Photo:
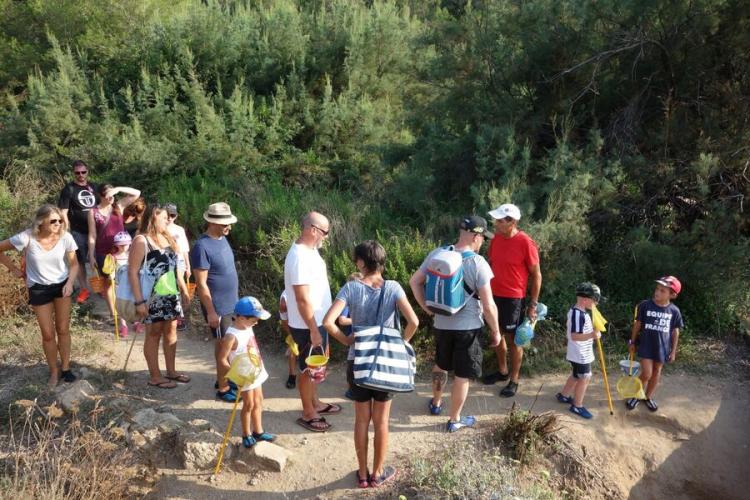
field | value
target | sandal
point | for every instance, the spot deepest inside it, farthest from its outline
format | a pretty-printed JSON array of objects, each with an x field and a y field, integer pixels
[
  {"x": 363, "y": 482},
  {"x": 264, "y": 436},
  {"x": 330, "y": 409},
  {"x": 180, "y": 377},
  {"x": 165, "y": 384},
  {"x": 650, "y": 403},
  {"x": 248, "y": 441},
  {"x": 434, "y": 409},
  {"x": 389, "y": 472},
  {"x": 631, "y": 403},
  {"x": 564, "y": 399},
  {"x": 228, "y": 396},
  {"x": 291, "y": 382},
  {"x": 310, "y": 424}
]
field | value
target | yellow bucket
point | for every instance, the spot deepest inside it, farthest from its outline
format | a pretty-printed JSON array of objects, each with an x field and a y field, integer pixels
[{"x": 316, "y": 360}]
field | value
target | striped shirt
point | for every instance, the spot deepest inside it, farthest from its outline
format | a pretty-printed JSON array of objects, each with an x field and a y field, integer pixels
[{"x": 580, "y": 351}]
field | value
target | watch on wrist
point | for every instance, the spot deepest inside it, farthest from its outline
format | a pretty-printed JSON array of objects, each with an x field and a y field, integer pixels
[
  {"x": 139, "y": 303},
  {"x": 533, "y": 303}
]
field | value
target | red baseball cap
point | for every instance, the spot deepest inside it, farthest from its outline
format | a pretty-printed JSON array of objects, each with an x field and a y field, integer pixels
[{"x": 670, "y": 282}]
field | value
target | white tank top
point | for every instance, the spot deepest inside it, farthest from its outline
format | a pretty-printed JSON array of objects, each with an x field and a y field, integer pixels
[{"x": 246, "y": 339}]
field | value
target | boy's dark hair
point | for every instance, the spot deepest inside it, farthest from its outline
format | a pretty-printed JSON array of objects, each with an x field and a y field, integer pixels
[
  {"x": 79, "y": 163},
  {"x": 372, "y": 254}
]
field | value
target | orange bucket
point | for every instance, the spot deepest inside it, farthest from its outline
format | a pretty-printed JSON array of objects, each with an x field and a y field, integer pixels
[
  {"x": 191, "y": 290},
  {"x": 98, "y": 284}
]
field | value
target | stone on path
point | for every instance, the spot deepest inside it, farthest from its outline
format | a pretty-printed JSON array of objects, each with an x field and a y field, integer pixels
[
  {"x": 267, "y": 456},
  {"x": 199, "y": 450},
  {"x": 148, "y": 418},
  {"x": 71, "y": 395}
]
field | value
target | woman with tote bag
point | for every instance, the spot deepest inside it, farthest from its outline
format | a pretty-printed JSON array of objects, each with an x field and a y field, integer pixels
[{"x": 372, "y": 301}]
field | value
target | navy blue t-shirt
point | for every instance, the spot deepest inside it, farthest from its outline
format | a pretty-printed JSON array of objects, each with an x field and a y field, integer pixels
[
  {"x": 657, "y": 325},
  {"x": 217, "y": 257}
]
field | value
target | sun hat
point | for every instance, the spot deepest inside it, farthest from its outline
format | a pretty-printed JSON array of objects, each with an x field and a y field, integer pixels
[
  {"x": 250, "y": 306},
  {"x": 219, "y": 213},
  {"x": 122, "y": 238},
  {"x": 506, "y": 210},
  {"x": 670, "y": 282},
  {"x": 475, "y": 224},
  {"x": 586, "y": 289},
  {"x": 171, "y": 208}
]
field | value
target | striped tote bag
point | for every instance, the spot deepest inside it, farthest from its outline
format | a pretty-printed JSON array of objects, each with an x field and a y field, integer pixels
[{"x": 383, "y": 360}]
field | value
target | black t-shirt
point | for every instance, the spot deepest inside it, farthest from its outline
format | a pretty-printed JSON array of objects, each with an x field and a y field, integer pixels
[{"x": 78, "y": 200}]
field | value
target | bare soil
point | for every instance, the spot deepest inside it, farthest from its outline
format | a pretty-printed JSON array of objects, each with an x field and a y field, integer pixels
[{"x": 695, "y": 446}]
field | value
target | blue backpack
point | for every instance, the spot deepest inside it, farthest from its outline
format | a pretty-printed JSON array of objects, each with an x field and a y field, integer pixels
[{"x": 445, "y": 291}]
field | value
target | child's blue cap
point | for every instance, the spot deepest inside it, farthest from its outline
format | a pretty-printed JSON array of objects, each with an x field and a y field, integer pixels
[{"x": 250, "y": 306}]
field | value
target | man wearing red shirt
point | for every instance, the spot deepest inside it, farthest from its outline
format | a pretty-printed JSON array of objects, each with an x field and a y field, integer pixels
[{"x": 514, "y": 258}]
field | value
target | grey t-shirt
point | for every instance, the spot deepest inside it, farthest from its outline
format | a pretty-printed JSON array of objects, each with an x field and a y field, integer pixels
[
  {"x": 477, "y": 273},
  {"x": 362, "y": 301}
]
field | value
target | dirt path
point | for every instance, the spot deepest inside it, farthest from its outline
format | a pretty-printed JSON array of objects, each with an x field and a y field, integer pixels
[{"x": 696, "y": 445}]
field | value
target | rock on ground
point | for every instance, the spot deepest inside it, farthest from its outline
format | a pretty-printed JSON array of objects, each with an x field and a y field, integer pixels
[
  {"x": 147, "y": 418},
  {"x": 199, "y": 450},
  {"x": 265, "y": 455},
  {"x": 71, "y": 395}
]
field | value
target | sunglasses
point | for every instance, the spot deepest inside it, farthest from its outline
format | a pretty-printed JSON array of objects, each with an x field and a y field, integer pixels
[
  {"x": 325, "y": 233},
  {"x": 55, "y": 221},
  {"x": 172, "y": 216},
  {"x": 81, "y": 172}
]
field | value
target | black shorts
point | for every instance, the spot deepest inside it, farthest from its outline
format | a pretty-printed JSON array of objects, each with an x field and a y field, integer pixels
[
  {"x": 509, "y": 313},
  {"x": 224, "y": 323},
  {"x": 44, "y": 294},
  {"x": 301, "y": 337},
  {"x": 459, "y": 351},
  {"x": 580, "y": 369},
  {"x": 82, "y": 253},
  {"x": 363, "y": 395}
]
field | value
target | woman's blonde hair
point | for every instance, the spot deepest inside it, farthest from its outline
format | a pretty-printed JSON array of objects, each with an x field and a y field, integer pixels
[
  {"x": 147, "y": 226},
  {"x": 41, "y": 216}
]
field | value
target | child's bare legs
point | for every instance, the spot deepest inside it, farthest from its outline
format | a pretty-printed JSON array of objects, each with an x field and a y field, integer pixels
[
  {"x": 292, "y": 363},
  {"x": 580, "y": 390},
  {"x": 650, "y": 375},
  {"x": 256, "y": 414},
  {"x": 362, "y": 415},
  {"x": 380, "y": 414},
  {"x": 569, "y": 387},
  {"x": 245, "y": 412}
]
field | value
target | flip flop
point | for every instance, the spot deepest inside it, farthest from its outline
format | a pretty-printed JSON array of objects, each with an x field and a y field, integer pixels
[
  {"x": 389, "y": 473},
  {"x": 309, "y": 424},
  {"x": 363, "y": 482},
  {"x": 167, "y": 384},
  {"x": 330, "y": 409},
  {"x": 180, "y": 377}
]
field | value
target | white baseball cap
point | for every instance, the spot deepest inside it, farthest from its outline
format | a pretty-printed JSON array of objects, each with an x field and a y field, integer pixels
[{"x": 506, "y": 210}]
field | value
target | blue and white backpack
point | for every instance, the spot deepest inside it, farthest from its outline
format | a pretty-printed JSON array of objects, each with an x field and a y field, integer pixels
[{"x": 445, "y": 290}]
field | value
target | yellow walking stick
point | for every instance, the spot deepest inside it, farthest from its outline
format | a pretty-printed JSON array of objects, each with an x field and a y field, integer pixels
[
  {"x": 109, "y": 267},
  {"x": 243, "y": 370},
  {"x": 600, "y": 325}
]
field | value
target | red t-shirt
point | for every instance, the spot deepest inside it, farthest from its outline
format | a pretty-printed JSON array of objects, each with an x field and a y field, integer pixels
[{"x": 510, "y": 259}]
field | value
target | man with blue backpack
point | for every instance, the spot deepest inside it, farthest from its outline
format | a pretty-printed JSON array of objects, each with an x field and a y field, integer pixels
[{"x": 453, "y": 286}]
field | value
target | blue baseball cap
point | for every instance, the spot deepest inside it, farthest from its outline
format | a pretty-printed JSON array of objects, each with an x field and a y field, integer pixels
[{"x": 250, "y": 306}]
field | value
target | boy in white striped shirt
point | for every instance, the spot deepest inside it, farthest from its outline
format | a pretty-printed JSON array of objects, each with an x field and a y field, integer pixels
[{"x": 581, "y": 337}]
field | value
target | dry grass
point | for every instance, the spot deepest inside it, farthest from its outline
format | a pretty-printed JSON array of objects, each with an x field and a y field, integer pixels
[
  {"x": 14, "y": 296},
  {"x": 525, "y": 433},
  {"x": 46, "y": 456}
]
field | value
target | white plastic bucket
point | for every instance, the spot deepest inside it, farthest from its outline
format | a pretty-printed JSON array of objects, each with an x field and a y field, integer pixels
[{"x": 625, "y": 367}]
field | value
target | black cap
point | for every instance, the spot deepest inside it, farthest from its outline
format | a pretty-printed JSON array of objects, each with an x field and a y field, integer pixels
[
  {"x": 171, "y": 208},
  {"x": 586, "y": 289},
  {"x": 475, "y": 224}
]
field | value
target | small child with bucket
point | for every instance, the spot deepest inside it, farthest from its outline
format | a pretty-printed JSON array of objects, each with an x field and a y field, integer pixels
[
  {"x": 581, "y": 335},
  {"x": 656, "y": 330},
  {"x": 238, "y": 340}
]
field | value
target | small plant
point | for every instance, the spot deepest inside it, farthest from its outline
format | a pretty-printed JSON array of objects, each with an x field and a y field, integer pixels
[{"x": 524, "y": 432}]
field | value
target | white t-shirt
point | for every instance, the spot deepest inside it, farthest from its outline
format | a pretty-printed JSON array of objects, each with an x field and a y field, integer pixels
[
  {"x": 305, "y": 266},
  {"x": 183, "y": 245},
  {"x": 46, "y": 267},
  {"x": 580, "y": 351},
  {"x": 245, "y": 340}
]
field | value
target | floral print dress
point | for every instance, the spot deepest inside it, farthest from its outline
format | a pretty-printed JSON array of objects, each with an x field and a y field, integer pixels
[{"x": 164, "y": 303}]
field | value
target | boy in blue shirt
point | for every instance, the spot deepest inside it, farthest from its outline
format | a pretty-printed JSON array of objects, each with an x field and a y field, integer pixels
[{"x": 655, "y": 333}]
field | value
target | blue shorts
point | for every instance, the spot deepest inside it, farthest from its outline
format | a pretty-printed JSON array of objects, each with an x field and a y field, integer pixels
[
  {"x": 301, "y": 337},
  {"x": 580, "y": 370}
]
